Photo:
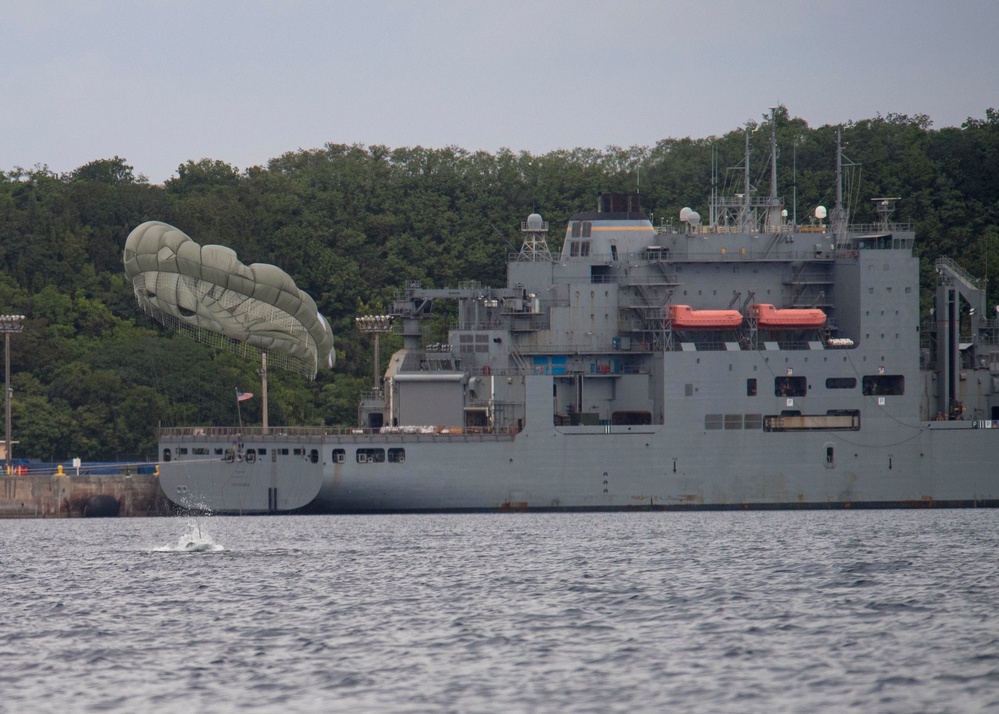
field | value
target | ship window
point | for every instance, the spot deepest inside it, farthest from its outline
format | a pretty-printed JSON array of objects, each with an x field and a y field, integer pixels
[
  {"x": 181, "y": 451},
  {"x": 314, "y": 456},
  {"x": 830, "y": 456},
  {"x": 613, "y": 252},
  {"x": 576, "y": 229},
  {"x": 790, "y": 386},
  {"x": 631, "y": 418},
  {"x": 218, "y": 451},
  {"x": 397, "y": 456},
  {"x": 750, "y": 387},
  {"x": 713, "y": 422},
  {"x": 584, "y": 248},
  {"x": 262, "y": 452},
  {"x": 200, "y": 450},
  {"x": 883, "y": 384},
  {"x": 339, "y": 456},
  {"x": 587, "y": 227},
  {"x": 574, "y": 249},
  {"x": 371, "y": 456},
  {"x": 841, "y": 382},
  {"x": 251, "y": 456},
  {"x": 299, "y": 451},
  {"x": 283, "y": 452},
  {"x": 166, "y": 455}
]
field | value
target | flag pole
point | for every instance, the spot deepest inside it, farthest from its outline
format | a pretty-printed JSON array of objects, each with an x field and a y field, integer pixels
[{"x": 239, "y": 412}]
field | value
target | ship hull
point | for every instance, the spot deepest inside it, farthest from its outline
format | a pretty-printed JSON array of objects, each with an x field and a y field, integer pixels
[{"x": 606, "y": 468}]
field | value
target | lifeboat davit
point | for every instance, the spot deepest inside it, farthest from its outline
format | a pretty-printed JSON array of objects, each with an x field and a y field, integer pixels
[
  {"x": 770, "y": 318},
  {"x": 686, "y": 318}
]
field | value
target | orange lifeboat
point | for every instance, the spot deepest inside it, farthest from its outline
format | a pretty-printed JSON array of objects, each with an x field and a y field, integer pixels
[
  {"x": 686, "y": 318},
  {"x": 770, "y": 318}
]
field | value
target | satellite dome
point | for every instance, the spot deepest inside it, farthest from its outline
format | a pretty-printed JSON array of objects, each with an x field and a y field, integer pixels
[
  {"x": 820, "y": 212},
  {"x": 535, "y": 222},
  {"x": 694, "y": 218},
  {"x": 684, "y": 212}
]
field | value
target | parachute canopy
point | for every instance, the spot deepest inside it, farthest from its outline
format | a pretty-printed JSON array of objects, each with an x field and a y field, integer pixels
[{"x": 206, "y": 292}]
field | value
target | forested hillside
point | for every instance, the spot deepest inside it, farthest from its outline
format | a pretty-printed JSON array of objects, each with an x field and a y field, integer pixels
[{"x": 92, "y": 377}]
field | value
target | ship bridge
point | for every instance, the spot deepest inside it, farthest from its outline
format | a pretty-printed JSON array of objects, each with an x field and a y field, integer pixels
[{"x": 618, "y": 227}]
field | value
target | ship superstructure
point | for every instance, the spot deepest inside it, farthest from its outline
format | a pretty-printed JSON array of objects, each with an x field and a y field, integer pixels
[{"x": 748, "y": 362}]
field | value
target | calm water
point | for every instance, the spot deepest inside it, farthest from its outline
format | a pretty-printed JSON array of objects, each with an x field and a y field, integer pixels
[{"x": 864, "y": 610}]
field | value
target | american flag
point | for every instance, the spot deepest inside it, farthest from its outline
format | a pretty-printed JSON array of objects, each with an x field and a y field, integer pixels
[{"x": 243, "y": 396}]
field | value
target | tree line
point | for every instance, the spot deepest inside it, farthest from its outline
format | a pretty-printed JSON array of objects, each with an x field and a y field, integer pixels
[{"x": 93, "y": 377}]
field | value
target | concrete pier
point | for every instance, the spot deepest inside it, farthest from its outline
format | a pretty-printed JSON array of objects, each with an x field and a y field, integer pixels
[{"x": 68, "y": 496}]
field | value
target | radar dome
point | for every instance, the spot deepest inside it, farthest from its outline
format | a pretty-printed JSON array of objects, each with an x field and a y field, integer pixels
[
  {"x": 535, "y": 222},
  {"x": 820, "y": 212},
  {"x": 694, "y": 218},
  {"x": 684, "y": 213}
]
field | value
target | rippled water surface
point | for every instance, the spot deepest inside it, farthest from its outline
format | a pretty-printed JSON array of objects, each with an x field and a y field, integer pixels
[{"x": 759, "y": 611}]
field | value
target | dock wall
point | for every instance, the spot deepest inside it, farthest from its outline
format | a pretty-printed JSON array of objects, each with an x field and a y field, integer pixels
[{"x": 67, "y": 496}]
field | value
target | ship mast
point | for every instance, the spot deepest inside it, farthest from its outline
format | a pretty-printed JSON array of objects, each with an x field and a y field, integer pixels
[
  {"x": 839, "y": 213},
  {"x": 744, "y": 224},
  {"x": 774, "y": 205}
]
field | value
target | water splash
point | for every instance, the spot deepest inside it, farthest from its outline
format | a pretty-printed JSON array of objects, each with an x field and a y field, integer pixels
[{"x": 193, "y": 540}]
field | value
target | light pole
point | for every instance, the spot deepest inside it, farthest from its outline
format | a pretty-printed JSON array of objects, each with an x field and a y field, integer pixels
[
  {"x": 8, "y": 324},
  {"x": 376, "y": 325}
]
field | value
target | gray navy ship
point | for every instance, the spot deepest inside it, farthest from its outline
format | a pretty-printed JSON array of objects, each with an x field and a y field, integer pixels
[{"x": 738, "y": 362}]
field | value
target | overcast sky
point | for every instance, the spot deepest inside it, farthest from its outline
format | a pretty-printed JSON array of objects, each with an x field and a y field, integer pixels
[{"x": 160, "y": 83}]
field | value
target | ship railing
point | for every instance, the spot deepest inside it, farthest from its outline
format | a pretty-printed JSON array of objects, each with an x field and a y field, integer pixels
[
  {"x": 526, "y": 348},
  {"x": 293, "y": 433},
  {"x": 880, "y": 228},
  {"x": 686, "y": 254},
  {"x": 235, "y": 432}
]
